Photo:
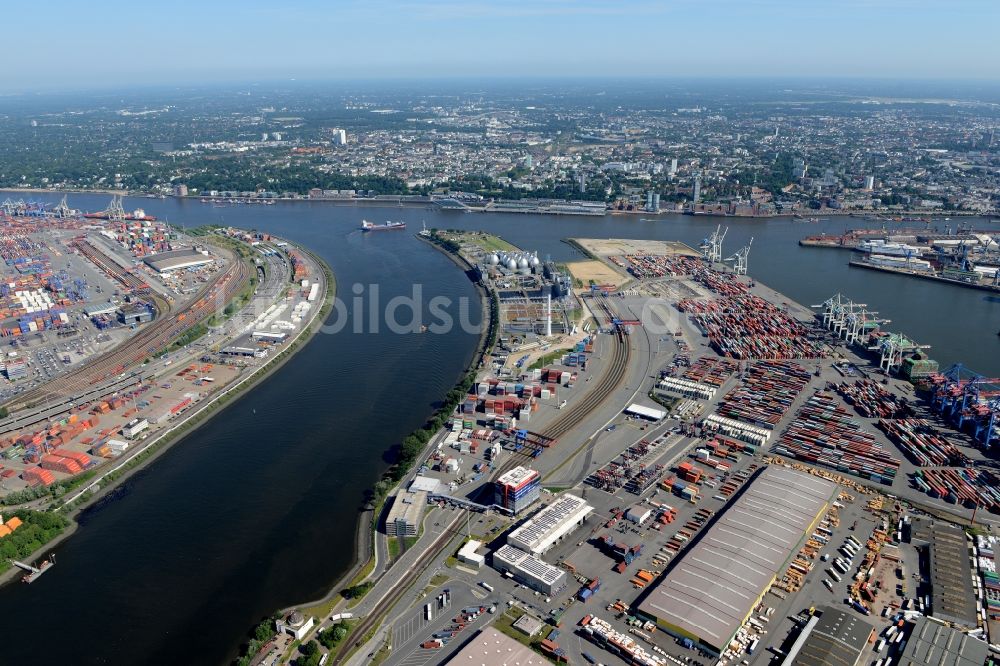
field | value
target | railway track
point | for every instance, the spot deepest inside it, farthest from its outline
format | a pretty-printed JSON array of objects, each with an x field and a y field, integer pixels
[
  {"x": 567, "y": 420},
  {"x": 594, "y": 398},
  {"x": 152, "y": 339},
  {"x": 128, "y": 279},
  {"x": 399, "y": 589}
]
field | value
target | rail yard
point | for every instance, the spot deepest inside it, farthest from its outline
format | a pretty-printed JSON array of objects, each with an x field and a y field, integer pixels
[
  {"x": 701, "y": 472},
  {"x": 117, "y": 330}
]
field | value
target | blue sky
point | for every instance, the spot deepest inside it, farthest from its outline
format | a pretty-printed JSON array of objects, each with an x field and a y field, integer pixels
[{"x": 112, "y": 42}]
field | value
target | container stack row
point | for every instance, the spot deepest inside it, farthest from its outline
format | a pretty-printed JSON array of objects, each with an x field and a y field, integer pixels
[
  {"x": 872, "y": 401},
  {"x": 713, "y": 372},
  {"x": 748, "y": 327},
  {"x": 650, "y": 266},
  {"x": 823, "y": 433},
  {"x": 768, "y": 391},
  {"x": 966, "y": 486},
  {"x": 922, "y": 444}
]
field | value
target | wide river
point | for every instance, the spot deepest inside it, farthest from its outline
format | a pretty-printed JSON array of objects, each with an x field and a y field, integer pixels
[{"x": 257, "y": 509}]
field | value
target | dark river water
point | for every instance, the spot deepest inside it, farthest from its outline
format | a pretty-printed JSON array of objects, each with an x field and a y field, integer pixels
[{"x": 257, "y": 509}]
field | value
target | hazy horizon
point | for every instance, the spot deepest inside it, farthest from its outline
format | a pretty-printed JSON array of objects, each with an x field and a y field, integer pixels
[{"x": 112, "y": 43}]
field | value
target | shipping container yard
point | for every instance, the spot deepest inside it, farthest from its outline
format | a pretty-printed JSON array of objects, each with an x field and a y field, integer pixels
[
  {"x": 91, "y": 311},
  {"x": 746, "y": 435}
]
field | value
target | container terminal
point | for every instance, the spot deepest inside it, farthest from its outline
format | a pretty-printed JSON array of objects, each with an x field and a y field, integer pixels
[
  {"x": 708, "y": 474},
  {"x": 117, "y": 328},
  {"x": 966, "y": 258}
]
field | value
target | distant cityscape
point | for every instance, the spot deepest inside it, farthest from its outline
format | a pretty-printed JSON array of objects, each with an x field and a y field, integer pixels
[{"x": 759, "y": 153}]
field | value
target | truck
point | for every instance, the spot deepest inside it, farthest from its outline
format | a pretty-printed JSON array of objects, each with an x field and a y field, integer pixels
[{"x": 486, "y": 586}]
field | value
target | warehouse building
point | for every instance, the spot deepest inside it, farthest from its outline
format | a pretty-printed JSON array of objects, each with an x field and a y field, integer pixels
[
  {"x": 491, "y": 648},
  {"x": 527, "y": 569},
  {"x": 711, "y": 591},
  {"x": 933, "y": 644},
  {"x": 946, "y": 552},
  {"x": 546, "y": 528},
  {"x": 405, "y": 514},
  {"x": 133, "y": 428},
  {"x": 100, "y": 309},
  {"x": 467, "y": 554},
  {"x": 165, "y": 262},
  {"x": 518, "y": 489},
  {"x": 644, "y": 412},
  {"x": 135, "y": 313},
  {"x": 833, "y": 638}
]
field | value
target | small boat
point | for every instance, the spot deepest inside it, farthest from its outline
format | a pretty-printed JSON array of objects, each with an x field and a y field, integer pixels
[{"x": 368, "y": 226}]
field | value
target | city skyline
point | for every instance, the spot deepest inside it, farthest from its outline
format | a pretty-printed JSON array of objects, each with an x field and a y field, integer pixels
[{"x": 187, "y": 42}]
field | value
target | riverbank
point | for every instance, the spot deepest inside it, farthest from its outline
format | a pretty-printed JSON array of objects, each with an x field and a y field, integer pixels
[
  {"x": 367, "y": 563},
  {"x": 105, "y": 484},
  {"x": 411, "y": 201}
]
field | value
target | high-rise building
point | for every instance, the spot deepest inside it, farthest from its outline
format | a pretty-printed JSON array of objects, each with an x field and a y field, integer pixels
[
  {"x": 180, "y": 190},
  {"x": 652, "y": 202},
  {"x": 583, "y": 182},
  {"x": 673, "y": 166},
  {"x": 517, "y": 489},
  {"x": 339, "y": 137},
  {"x": 528, "y": 162},
  {"x": 869, "y": 183},
  {"x": 696, "y": 195}
]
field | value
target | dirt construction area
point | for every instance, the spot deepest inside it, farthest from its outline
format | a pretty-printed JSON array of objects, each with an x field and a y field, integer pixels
[
  {"x": 597, "y": 272},
  {"x": 606, "y": 247}
]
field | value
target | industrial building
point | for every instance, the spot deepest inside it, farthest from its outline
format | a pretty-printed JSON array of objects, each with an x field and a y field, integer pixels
[
  {"x": 932, "y": 644},
  {"x": 546, "y": 528},
  {"x": 527, "y": 569},
  {"x": 234, "y": 350},
  {"x": 712, "y": 589},
  {"x": 644, "y": 412},
  {"x": 133, "y": 428},
  {"x": 16, "y": 368},
  {"x": 491, "y": 648},
  {"x": 639, "y": 513},
  {"x": 518, "y": 489},
  {"x": 946, "y": 551},
  {"x": 405, "y": 514},
  {"x": 294, "y": 624},
  {"x": 467, "y": 554},
  {"x": 832, "y": 638},
  {"x": 165, "y": 262},
  {"x": 427, "y": 484},
  {"x": 135, "y": 313}
]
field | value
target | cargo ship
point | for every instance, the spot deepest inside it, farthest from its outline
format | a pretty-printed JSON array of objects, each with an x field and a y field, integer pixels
[
  {"x": 138, "y": 215},
  {"x": 388, "y": 226}
]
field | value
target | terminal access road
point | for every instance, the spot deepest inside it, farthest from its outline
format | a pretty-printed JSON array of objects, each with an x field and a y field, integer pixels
[{"x": 564, "y": 422}]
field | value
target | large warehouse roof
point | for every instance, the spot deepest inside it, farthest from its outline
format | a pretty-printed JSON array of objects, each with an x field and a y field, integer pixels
[
  {"x": 713, "y": 588},
  {"x": 163, "y": 262},
  {"x": 933, "y": 644},
  {"x": 550, "y": 524},
  {"x": 491, "y": 648},
  {"x": 952, "y": 596},
  {"x": 838, "y": 639}
]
